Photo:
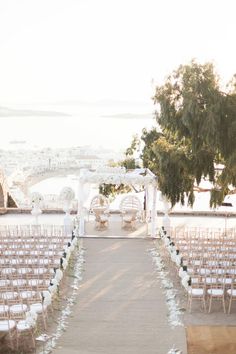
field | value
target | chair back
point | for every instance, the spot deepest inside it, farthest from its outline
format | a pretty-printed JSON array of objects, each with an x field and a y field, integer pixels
[
  {"x": 130, "y": 203},
  {"x": 99, "y": 201}
]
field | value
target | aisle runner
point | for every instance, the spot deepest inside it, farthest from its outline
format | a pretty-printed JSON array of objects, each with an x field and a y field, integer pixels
[{"x": 67, "y": 310}]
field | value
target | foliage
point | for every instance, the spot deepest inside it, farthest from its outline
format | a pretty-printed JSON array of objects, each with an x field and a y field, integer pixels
[
  {"x": 148, "y": 156},
  {"x": 198, "y": 130},
  {"x": 112, "y": 189},
  {"x": 129, "y": 163},
  {"x": 174, "y": 177},
  {"x": 134, "y": 146}
]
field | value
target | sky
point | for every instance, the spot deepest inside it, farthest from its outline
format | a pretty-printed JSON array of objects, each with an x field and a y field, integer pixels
[{"x": 58, "y": 50}]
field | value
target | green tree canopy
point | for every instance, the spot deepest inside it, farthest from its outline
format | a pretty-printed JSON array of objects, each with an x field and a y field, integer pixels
[{"x": 198, "y": 130}]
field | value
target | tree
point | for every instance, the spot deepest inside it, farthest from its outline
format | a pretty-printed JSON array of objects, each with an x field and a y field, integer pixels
[{"x": 198, "y": 124}]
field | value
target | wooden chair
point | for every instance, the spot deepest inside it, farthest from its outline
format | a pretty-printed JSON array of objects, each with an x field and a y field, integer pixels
[
  {"x": 197, "y": 291},
  {"x": 216, "y": 292},
  {"x": 8, "y": 328},
  {"x": 24, "y": 330},
  {"x": 231, "y": 294}
]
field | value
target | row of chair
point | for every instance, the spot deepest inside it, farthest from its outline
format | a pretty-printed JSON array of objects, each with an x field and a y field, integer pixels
[
  {"x": 209, "y": 264},
  {"x": 30, "y": 272}
]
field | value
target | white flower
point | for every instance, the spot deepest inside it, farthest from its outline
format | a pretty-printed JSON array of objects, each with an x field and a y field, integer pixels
[
  {"x": 47, "y": 298},
  {"x": 64, "y": 263},
  {"x": 166, "y": 241},
  {"x": 68, "y": 253},
  {"x": 178, "y": 259},
  {"x": 36, "y": 198},
  {"x": 52, "y": 289},
  {"x": 74, "y": 241},
  {"x": 185, "y": 281},
  {"x": 173, "y": 256},
  {"x": 31, "y": 318},
  {"x": 117, "y": 176},
  {"x": 174, "y": 351},
  {"x": 72, "y": 247},
  {"x": 59, "y": 275},
  {"x": 182, "y": 273},
  {"x": 67, "y": 194}
]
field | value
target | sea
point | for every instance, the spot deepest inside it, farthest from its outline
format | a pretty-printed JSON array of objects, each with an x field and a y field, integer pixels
[
  {"x": 102, "y": 124},
  {"x": 105, "y": 124}
]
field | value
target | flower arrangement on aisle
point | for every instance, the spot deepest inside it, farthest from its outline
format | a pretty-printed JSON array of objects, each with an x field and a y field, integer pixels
[
  {"x": 176, "y": 258},
  {"x": 36, "y": 201},
  {"x": 67, "y": 194}
]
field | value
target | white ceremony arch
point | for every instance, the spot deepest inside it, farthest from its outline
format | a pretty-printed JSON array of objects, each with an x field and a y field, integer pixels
[{"x": 119, "y": 175}]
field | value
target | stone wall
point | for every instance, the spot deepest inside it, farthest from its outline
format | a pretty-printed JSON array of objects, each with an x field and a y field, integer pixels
[{"x": 5, "y": 198}]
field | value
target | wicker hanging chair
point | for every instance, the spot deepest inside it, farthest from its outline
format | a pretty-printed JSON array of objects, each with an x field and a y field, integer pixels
[
  {"x": 130, "y": 208},
  {"x": 99, "y": 207}
]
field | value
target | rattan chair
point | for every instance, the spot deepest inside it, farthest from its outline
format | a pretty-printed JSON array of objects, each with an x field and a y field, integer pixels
[{"x": 130, "y": 208}]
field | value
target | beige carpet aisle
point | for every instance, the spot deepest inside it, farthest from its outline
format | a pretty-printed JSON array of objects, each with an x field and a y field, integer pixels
[{"x": 120, "y": 306}]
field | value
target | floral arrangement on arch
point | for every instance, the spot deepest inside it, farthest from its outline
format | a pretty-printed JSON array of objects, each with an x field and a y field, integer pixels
[
  {"x": 67, "y": 194},
  {"x": 36, "y": 198},
  {"x": 118, "y": 179}
]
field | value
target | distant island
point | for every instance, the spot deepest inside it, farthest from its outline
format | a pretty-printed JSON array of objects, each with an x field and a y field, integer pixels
[
  {"x": 8, "y": 112},
  {"x": 129, "y": 115},
  {"x": 17, "y": 142}
]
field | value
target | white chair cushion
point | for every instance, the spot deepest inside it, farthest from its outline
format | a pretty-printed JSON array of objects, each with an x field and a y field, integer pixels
[
  {"x": 16, "y": 282},
  {"x": 23, "y": 326},
  {"x": 196, "y": 292},
  {"x": 215, "y": 292},
  {"x": 18, "y": 308},
  {"x": 24, "y": 270},
  {"x": 37, "y": 307},
  {"x": 35, "y": 282},
  {"x": 26, "y": 294},
  {"x": 103, "y": 218},
  {"x": 9, "y": 295},
  {"x": 5, "y": 325},
  {"x": 4, "y": 282},
  {"x": 4, "y": 308},
  {"x": 231, "y": 292},
  {"x": 40, "y": 270},
  {"x": 8, "y": 270},
  {"x": 210, "y": 280},
  {"x": 204, "y": 271},
  {"x": 128, "y": 218}
]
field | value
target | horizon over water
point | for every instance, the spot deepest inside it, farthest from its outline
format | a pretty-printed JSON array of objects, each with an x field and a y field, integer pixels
[{"x": 98, "y": 124}]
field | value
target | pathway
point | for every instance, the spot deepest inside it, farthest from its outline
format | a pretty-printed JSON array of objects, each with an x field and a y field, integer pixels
[{"x": 120, "y": 308}]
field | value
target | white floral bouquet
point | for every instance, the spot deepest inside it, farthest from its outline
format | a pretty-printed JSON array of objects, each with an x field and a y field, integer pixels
[
  {"x": 67, "y": 193},
  {"x": 36, "y": 198}
]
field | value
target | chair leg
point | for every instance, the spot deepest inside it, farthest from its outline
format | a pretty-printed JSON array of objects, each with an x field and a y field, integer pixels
[
  {"x": 209, "y": 310},
  {"x": 204, "y": 303},
  {"x": 223, "y": 301},
  {"x": 230, "y": 302},
  {"x": 33, "y": 339},
  {"x": 190, "y": 304}
]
